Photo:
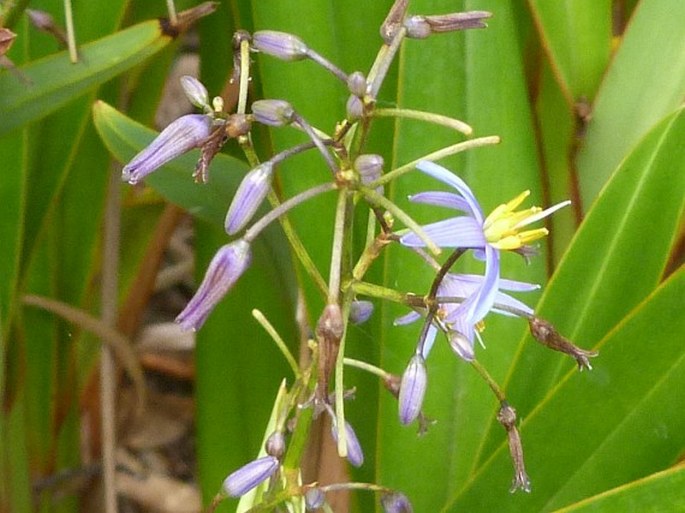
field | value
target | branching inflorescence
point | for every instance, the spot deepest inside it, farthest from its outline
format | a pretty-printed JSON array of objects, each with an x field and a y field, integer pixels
[{"x": 456, "y": 304}]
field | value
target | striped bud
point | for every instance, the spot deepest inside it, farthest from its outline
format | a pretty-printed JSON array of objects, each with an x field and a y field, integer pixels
[
  {"x": 281, "y": 45},
  {"x": 249, "y": 196},
  {"x": 249, "y": 476},
  {"x": 412, "y": 389}
]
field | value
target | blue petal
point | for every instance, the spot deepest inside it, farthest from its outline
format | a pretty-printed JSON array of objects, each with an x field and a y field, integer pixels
[
  {"x": 489, "y": 288},
  {"x": 442, "y": 199},
  {"x": 455, "y": 232},
  {"x": 446, "y": 176},
  {"x": 429, "y": 341},
  {"x": 407, "y": 319}
]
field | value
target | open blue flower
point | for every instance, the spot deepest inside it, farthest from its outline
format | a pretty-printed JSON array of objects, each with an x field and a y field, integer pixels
[{"x": 487, "y": 236}]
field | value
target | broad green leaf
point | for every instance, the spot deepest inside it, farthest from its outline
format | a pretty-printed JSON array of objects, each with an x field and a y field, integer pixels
[
  {"x": 597, "y": 430},
  {"x": 55, "y": 81},
  {"x": 646, "y": 81},
  {"x": 577, "y": 38},
  {"x": 616, "y": 259},
  {"x": 659, "y": 492}
]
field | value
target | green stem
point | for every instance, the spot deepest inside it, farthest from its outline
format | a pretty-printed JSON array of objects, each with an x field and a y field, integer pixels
[
  {"x": 499, "y": 393},
  {"x": 71, "y": 37},
  {"x": 378, "y": 199},
  {"x": 436, "y": 155},
  {"x": 429, "y": 117},
  {"x": 358, "y": 364},
  {"x": 279, "y": 341}
]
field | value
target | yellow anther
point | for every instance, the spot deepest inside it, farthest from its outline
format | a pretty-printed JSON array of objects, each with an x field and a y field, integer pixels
[{"x": 501, "y": 228}]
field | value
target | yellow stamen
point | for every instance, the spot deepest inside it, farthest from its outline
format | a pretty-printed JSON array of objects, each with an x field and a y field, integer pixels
[{"x": 501, "y": 227}]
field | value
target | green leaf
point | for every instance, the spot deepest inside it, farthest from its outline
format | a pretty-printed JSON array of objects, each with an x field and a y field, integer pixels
[
  {"x": 662, "y": 491},
  {"x": 616, "y": 259},
  {"x": 577, "y": 38},
  {"x": 596, "y": 430},
  {"x": 54, "y": 80},
  {"x": 645, "y": 82}
]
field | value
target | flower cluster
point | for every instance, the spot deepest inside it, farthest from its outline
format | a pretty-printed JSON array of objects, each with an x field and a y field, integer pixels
[{"x": 456, "y": 305}]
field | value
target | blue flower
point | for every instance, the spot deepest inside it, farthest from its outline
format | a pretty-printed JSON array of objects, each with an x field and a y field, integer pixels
[{"x": 487, "y": 236}]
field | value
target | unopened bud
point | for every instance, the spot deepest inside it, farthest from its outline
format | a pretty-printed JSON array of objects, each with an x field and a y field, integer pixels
[
  {"x": 184, "y": 134},
  {"x": 41, "y": 20},
  {"x": 195, "y": 91},
  {"x": 355, "y": 454},
  {"x": 273, "y": 112},
  {"x": 360, "y": 311},
  {"x": 354, "y": 108},
  {"x": 314, "y": 499},
  {"x": 461, "y": 345},
  {"x": 369, "y": 167},
  {"x": 417, "y": 27},
  {"x": 275, "y": 444},
  {"x": 281, "y": 45},
  {"x": 396, "y": 502},
  {"x": 356, "y": 84},
  {"x": 249, "y": 196},
  {"x": 229, "y": 264},
  {"x": 249, "y": 476},
  {"x": 412, "y": 389}
]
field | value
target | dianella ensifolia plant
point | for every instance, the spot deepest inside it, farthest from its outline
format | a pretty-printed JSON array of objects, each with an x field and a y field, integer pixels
[{"x": 456, "y": 304}]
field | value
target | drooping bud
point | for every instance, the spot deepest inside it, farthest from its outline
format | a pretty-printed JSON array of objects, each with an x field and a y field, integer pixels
[
  {"x": 360, "y": 311},
  {"x": 420, "y": 27},
  {"x": 41, "y": 20},
  {"x": 461, "y": 345},
  {"x": 229, "y": 263},
  {"x": 354, "y": 108},
  {"x": 314, "y": 499},
  {"x": 355, "y": 454},
  {"x": 250, "y": 194},
  {"x": 545, "y": 333},
  {"x": 273, "y": 112},
  {"x": 281, "y": 45},
  {"x": 507, "y": 417},
  {"x": 396, "y": 502},
  {"x": 249, "y": 476},
  {"x": 196, "y": 92},
  {"x": 184, "y": 134},
  {"x": 412, "y": 389},
  {"x": 356, "y": 84},
  {"x": 275, "y": 444},
  {"x": 369, "y": 167}
]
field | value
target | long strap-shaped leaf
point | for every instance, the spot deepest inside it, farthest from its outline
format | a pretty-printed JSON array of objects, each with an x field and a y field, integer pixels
[{"x": 54, "y": 81}]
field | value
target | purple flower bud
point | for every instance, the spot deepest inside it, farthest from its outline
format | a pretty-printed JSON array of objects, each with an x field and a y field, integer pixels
[
  {"x": 314, "y": 499},
  {"x": 354, "y": 108},
  {"x": 396, "y": 502},
  {"x": 275, "y": 444},
  {"x": 357, "y": 84},
  {"x": 417, "y": 27},
  {"x": 281, "y": 45},
  {"x": 355, "y": 455},
  {"x": 249, "y": 476},
  {"x": 226, "y": 267},
  {"x": 461, "y": 345},
  {"x": 41, "y": 20},
  {"x": 181, "y": 136},
  {"x": 273, "y": 112},
  {"x": 248, "y": 197},
  {"x": 360, "y": 311},
  {"x": 195, "y": 91},
  {"x": 369, "y": 167},
  {"x": 412, "y": 389}
]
